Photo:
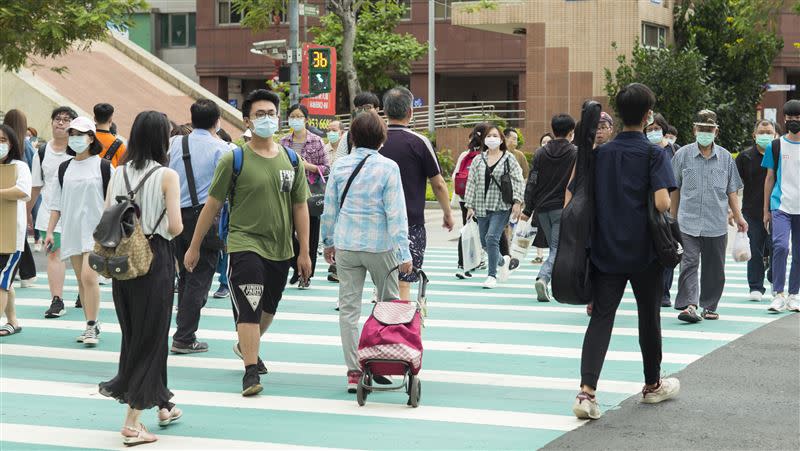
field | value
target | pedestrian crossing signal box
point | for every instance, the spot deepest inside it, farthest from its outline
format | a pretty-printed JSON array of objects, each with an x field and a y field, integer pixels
[{"x": 319, "y": 70}]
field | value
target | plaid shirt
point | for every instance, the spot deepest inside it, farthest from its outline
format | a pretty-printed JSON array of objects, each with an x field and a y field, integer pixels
[
  {"x": 704, "y": 186},
  {"x": 492, "y": 200},
  {"x": 313, "y": 152},
  {"x": 373, "y": 218}
]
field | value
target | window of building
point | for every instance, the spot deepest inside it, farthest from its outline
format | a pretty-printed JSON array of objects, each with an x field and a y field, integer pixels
[
  {"x": 407, "y": 3},
  {"x": 654, "y": 36},
  {"x": 442, "y": 9},
  {"x": 226, "y": 14},
  {"x": 178, "y": 30}
]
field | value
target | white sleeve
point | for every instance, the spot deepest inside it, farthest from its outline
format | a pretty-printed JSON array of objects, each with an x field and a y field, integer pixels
[
  {"x": 54, "y": 201},
  {"x": 36, "y": 171},
  {"x": 24, "y": 180}
]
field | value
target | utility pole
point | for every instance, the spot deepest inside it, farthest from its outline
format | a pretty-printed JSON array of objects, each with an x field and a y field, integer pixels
[
  {"x": 431, "y": 67},
  {"x": 294, "y": 51}
]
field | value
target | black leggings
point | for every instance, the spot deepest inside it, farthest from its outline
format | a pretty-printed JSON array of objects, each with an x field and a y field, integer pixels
[
  {"x": 503, "y": 240},
  {"x": 313, "y": 243}
]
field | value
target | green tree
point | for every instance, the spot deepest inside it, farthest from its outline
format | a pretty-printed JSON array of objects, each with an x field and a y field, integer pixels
[
  {"x": 678, "y": 79},
  {"x": 379, "y": 52},
  {"x": 739, "y": 41},
  {"x": 46, "y": 28}
]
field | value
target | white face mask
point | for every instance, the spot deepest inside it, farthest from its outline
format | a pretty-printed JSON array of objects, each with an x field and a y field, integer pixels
[
  {"x": 3, "y": 150},
  {"x": 78, "y": 143},
  {"x": 493, "y": 142}
]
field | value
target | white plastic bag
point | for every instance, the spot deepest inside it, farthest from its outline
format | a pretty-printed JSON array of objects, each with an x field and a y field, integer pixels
[
  {"x": 471, "y": 245},
  {"x": 741, "y": 247},
  {"x": 524, "y": 234}
]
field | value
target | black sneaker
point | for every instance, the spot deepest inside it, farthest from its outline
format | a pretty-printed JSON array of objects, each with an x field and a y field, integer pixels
[
  {"x": 262, "y": 369},
  {"x": 78, "y": 302},
  {"x": 251, "y": 383},
  {"x": 191, "y": 348},
  {"x": 56, "y": 308},
  {"x": 333, "y": 278},
  {"x": 295, "y": 278},
  {"x": 222, "y": 292},
  {"x": 666, "y": 302},
  {"x": 513, "y": 264}
]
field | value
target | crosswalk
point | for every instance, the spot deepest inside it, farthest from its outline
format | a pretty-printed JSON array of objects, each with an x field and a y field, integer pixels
[{"x": 500, "y": 371}]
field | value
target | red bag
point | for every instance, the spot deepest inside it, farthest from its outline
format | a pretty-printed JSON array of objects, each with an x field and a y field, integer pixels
[{"x": 460, "y": 182}]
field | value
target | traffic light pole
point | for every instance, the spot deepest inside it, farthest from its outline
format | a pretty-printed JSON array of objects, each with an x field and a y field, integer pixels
[{"x": 294, "y": 51}]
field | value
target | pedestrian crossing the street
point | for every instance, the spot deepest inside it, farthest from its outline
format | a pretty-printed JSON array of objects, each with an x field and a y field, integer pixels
[{"x": 500, "y": 370}]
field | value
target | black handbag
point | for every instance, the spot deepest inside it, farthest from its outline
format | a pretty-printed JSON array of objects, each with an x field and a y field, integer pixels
[
  {"x": 316, "y": 200},
  {"x": 571, "y": 279},
  {"x": 665, "y": 231},
  {"x": 190, "y": 215}
]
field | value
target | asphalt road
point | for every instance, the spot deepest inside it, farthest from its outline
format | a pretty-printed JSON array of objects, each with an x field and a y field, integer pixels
[{"x": 744, "y": 395}]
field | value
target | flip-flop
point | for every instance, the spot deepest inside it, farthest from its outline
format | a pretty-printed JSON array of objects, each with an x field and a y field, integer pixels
[{"x": 9, "y": 329}]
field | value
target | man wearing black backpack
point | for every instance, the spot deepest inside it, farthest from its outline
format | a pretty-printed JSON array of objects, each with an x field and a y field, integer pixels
[
  {"x": 544, "y": 193},
  {"x": 194, "y": 157},
  {"x": 113, "y": 146}
]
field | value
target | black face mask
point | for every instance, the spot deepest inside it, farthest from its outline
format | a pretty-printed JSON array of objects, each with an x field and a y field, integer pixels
[{"x": 793, "y": 126}]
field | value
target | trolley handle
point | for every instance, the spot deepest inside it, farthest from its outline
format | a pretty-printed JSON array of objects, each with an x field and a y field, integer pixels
[{"x": 423, "y": 283}]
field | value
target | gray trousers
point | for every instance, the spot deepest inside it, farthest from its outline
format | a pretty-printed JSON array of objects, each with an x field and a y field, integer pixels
[
  {"x": 352, "y": 269},
  {"x": 712, "y": 277},
  {"x": 550, "y": 222}
]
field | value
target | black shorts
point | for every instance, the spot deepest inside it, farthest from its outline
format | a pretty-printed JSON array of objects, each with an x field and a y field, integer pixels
[
  {"x": 256, "y": 285},
  {"x": 9, "y": 263},
  {"x": 417, "y": 242}
]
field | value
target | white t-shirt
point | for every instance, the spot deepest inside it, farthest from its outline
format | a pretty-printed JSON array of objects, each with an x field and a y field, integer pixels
[
  {"x": 52, "y": 160},
  {"x": 23, "y": 184},
  {"x": 81, "y": 202}
]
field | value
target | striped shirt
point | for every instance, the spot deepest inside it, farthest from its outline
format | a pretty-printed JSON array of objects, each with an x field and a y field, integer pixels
[
  {"x": 704, "y": 185},
  {"x": 483, "y": 201},
  {"x": 373, "y": 217}
]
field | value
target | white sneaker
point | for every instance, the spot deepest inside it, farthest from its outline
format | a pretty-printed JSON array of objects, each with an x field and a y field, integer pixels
[
  {"x": 503, "y": 272},
  {"x": 792, "y": 303},
  {"x": 756, "y": 296},
  {"x": 778, "y": 303},
  {"x": 585, "y": 407},
  {"x": 37, "y": 247},
  {"x": 542, "y": 291},
  {"x": 490, "y": 283},
  {"x": 666, "y": 389},
  {"x": 27, "y": 283}
]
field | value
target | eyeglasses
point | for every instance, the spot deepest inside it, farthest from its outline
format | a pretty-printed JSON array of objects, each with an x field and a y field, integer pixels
[
  {"x": 366, "y": 107},
  {"x": 262, "y": 114},
  {"x": 604, "y": 127},
  {"x": 62, "y": 120}
]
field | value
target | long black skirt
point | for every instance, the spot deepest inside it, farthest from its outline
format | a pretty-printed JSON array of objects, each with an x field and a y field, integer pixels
[{"x": 144, "y": 311}]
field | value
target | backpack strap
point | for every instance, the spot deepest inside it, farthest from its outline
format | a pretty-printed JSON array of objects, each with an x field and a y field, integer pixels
[
  {"x": 42, "y": 149},
  {"x": 187, "y": 163},
  {"x": 112, "y": 150},
  {"x": 62, "y": 170},
  {"x": 292, "y": 156},
  {"x": 132, "y": 192},
  {"x": 105, "y": 172},
  {"x": 238, "y": 162},
  {"x": 350, "y": 180}
]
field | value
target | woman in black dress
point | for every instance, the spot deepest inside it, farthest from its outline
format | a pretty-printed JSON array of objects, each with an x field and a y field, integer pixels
[{"x": 144, "y": 304}]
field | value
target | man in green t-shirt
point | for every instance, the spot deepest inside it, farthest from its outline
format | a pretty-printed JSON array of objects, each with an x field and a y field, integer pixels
[{"x": 267, "y": 206}]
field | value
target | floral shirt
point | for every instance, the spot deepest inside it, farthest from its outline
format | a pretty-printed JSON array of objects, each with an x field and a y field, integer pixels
[{"x": 313, "y": 152}]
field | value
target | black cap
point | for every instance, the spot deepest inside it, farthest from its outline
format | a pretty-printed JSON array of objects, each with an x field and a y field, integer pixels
[{"x": 792, "y": 108}]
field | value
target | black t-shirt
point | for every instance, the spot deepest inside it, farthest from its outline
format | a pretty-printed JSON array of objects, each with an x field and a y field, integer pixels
[
  {"x": 488, "y": 181},
  {"x": 417, "y": 161},
  {"x": 748, "y": 163},
  {"x": 624, "y": 178}
]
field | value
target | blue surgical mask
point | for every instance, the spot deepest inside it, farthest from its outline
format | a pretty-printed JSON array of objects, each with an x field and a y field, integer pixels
[
  {"x": 78, "y": 143},
  {"x": 333, "y": 137},
  {"x": 265, "y": 127},
  {"x": 704, "y": 139},
  {"x": 297, "y": 123},
  {"x": 764, "y": 139},
  {"x": 655, "y": 136},
  {"x": 3, "y": 150}
]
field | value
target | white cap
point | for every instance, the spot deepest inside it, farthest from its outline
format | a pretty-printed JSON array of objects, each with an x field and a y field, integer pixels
[{"x": 82, "y": 124}]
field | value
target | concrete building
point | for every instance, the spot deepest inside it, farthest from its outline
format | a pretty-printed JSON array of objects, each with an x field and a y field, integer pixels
[
  {"x": 785, "y": 68},
  {"x": 168, "y": 30}
]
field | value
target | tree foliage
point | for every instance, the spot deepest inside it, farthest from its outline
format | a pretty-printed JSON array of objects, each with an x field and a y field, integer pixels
[
  {"x": 46, "y": 28},
  {"x": 379, "y": 52},
  {"x": 678, "y": 79}
]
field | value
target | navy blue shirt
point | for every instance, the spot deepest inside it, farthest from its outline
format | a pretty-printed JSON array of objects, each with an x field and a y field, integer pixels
[{"x": 624, "y": 178}]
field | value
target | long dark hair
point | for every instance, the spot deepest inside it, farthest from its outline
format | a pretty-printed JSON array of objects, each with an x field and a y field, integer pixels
[
  {"x": 477, "y": 135},
  {"x": 16, "y": 119},
  {"x": 14, "y": 146},
  {"x": 149, "y": 139}
]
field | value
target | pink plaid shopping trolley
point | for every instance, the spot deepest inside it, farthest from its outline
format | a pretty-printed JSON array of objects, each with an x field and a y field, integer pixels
[{"x": 391, "y": 345}]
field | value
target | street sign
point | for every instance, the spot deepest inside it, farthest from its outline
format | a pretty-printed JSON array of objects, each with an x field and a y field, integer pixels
[
  {"x": 309, "y": 10},
  {"x": 319, "y": 77},
  {"x": 774, "y": 88}
]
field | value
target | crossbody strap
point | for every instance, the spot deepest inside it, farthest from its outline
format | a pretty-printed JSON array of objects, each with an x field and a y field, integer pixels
[
  {"x": 350, "y": 180},
  {"x": 112, "y": 150},
  {"x": 187, "y": 163},
  {"x": 132, "y": 192}
]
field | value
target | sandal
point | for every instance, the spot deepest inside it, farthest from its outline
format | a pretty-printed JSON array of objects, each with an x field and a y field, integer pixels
[
  {"x": 142, "y": 436},
  {"x": 166, "y": 417},
  {"x": 537, "y": 260},
  {"x": 9, "y": 329},
  {"x": 710, "y": 315}
]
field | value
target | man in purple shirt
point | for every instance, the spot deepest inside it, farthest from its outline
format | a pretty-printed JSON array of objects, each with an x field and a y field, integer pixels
[{"x": 417, "y": 161}]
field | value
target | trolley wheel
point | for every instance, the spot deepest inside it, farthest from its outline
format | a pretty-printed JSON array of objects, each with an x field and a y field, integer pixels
[
  {"x": 361, "y": 395},
  {"x": 414, "y": 392}
]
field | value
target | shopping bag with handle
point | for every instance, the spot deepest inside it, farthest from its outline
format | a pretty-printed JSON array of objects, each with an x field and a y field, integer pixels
[{"x": 471, "y": 246}]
